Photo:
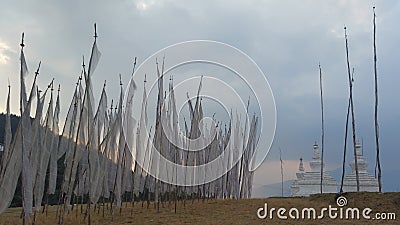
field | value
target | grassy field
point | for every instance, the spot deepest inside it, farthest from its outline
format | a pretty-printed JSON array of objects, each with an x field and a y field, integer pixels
[{"x": 226, "y": 211}]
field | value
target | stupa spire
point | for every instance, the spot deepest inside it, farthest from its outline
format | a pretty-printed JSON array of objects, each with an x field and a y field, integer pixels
[
  {"x": 301, "y": 166},
  {"x": 316, "y": 151}
]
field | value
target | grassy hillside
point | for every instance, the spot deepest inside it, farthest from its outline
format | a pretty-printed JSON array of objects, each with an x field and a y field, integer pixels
[{"x": 225, "y": 211}]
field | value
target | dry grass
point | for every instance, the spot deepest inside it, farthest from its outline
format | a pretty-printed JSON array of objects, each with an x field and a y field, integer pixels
[{"x": 224, "y": 211}]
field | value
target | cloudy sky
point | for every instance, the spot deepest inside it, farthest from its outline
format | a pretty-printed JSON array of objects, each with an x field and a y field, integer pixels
[{"x": 287, "y": 39}]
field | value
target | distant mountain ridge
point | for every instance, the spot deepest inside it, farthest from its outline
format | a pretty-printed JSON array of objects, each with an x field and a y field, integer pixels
[{"x": 272, "y": 190}]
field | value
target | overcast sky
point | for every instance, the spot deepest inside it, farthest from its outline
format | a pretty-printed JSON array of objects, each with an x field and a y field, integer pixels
[{"x": 287, "y": 39}]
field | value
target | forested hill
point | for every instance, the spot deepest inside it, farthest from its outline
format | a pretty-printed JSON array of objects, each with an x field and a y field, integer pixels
[
  {"x": 14, "y": 125},
  {"x": 16, "y": 202}
]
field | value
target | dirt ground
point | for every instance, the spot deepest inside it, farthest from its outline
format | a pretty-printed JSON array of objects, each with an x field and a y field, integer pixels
[{"x": 242, "y": 211}]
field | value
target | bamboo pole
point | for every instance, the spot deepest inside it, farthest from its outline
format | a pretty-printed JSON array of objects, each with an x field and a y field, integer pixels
[
  {"x": 378, "y": 162},
  {"x": 280, "y": 159},
  {"x": 345, "y": 147},
  {"x": 322, "y": 131},
  {"x": 45, "y": 208},
  {"x": 22, "y": 108},
  {"x": 353, "y": 123},
  {"x": 72, "y": 125},
  {"x": 89, "y": 139},
  {"x": 133, "y": 172},
  {"x": 66, "y": 197}
]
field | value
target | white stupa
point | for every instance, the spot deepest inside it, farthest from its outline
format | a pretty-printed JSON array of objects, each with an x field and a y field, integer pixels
[
  {"x": 308, "y": 183},
  {"x": 368, "y": 181}
]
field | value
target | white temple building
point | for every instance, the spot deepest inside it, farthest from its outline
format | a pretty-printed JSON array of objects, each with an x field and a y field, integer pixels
[
  {"x": 367, "y": 181},
  {"x": 308, "y": 183}
]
